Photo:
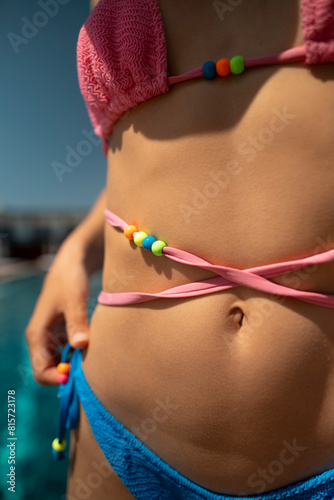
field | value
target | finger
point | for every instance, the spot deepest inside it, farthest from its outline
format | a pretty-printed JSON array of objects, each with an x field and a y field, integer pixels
[
  {"x": 44, "y": 356},
  {"x": 77, "y": 321},
  {"x": 44, "y": 332}
]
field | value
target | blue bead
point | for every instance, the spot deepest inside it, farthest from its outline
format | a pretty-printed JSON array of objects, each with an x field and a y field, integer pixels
[
  {"x": 209, "y": 69},
  {"x": 148, "y": 242}
]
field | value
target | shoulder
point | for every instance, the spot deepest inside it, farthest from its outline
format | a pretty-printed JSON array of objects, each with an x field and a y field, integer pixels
[{"x": 93, "y": 3}]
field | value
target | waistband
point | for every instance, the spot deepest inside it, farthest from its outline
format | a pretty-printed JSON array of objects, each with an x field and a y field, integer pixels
[{"x": 256, "y": 278}]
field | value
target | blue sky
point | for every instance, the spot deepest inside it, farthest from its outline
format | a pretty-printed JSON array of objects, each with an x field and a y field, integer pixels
[{"x": 42, "y": 112}]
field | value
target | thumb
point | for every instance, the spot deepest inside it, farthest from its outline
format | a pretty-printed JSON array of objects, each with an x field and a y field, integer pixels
[{"x": 77, "y": 322}]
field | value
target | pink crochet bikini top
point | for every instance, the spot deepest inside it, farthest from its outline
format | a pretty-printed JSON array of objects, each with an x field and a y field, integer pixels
[{"x": 122, "y": 56}]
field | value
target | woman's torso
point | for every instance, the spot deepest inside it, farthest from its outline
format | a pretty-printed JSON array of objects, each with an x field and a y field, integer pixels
[{"x": 237, "y": 171}]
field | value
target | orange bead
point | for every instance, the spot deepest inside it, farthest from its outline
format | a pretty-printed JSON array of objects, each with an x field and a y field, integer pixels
[
  {"x": 63, "y": 368},
  {"x": 223, "y": 67},
  {"x": 129, "y": 230}
]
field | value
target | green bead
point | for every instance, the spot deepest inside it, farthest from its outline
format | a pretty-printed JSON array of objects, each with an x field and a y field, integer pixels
[
  {"x": 158, "y": 246},
  {"x": 237, "y": 65},
  {"x": 58, "y": 446},
  {"x": 138, "y": 238}
]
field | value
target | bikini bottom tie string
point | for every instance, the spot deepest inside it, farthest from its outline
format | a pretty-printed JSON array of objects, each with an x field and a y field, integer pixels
[{"x": 69, "y": 403}]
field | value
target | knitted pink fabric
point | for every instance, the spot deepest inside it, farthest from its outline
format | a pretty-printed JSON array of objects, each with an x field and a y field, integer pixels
[
  {"x": 121, "y": 59},
  {"x": 318, "y": 30},
  {"x": 122, "y": 55}
]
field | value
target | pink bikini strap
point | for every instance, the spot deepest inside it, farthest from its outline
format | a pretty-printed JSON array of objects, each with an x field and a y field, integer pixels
[
  {"x": 296, "y": 54},
  {"x": 256, "y": 278}
]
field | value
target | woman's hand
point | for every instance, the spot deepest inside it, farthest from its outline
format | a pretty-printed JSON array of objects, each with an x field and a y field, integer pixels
[{"x": 60, "y": 315}]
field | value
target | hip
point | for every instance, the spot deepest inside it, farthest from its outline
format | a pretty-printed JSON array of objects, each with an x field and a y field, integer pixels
[{"x": 216, "y": 385}]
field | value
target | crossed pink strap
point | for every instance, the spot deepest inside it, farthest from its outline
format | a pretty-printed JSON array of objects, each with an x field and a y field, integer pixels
[{"x": 228, "y": 277}]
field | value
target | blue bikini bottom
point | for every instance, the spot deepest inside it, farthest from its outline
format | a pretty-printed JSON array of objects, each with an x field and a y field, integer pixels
[{"x": 145, "y": 475}]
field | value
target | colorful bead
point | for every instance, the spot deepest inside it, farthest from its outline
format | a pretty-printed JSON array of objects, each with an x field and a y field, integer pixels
[
  {"x": 223, "y": 67},
  {"x": 57, "y": 446},
  {"x": 138, "y": 238},
  {"x": 209, "y": 69},
  {"x": 237, "y": 65},
  {"x": 62, "y": 378},
  {"x": 148, "y": 242},
  {"x": 128, "y": 231},
  {"x": 63, "y": 368},
  {"x": 141, "y": 239},
  {"x": 158, "y": 246}
]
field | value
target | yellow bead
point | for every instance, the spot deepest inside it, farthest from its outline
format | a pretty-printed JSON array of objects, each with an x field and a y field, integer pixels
[
  {"x": 129, "y": 230},
  {"x": 138, "y": 238},
  {"x": 58, "y": 446},
  {"x": 63, "y": 368}
]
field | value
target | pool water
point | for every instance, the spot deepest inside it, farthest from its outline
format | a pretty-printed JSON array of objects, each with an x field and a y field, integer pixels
[{"x": 38, "y": 476}]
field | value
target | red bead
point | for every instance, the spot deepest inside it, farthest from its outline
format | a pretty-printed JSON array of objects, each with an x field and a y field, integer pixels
[
  {"x": 223, "y": 67},
  {"x": 62, "y": 378},
  {"x": 128, "y": 231}
]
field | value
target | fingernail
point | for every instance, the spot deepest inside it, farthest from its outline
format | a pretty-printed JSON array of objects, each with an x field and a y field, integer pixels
[{"x": 80, "y": 337}]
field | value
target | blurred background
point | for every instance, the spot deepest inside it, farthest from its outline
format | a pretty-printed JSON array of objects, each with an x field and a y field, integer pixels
[{"x": 51, "y": 171}]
